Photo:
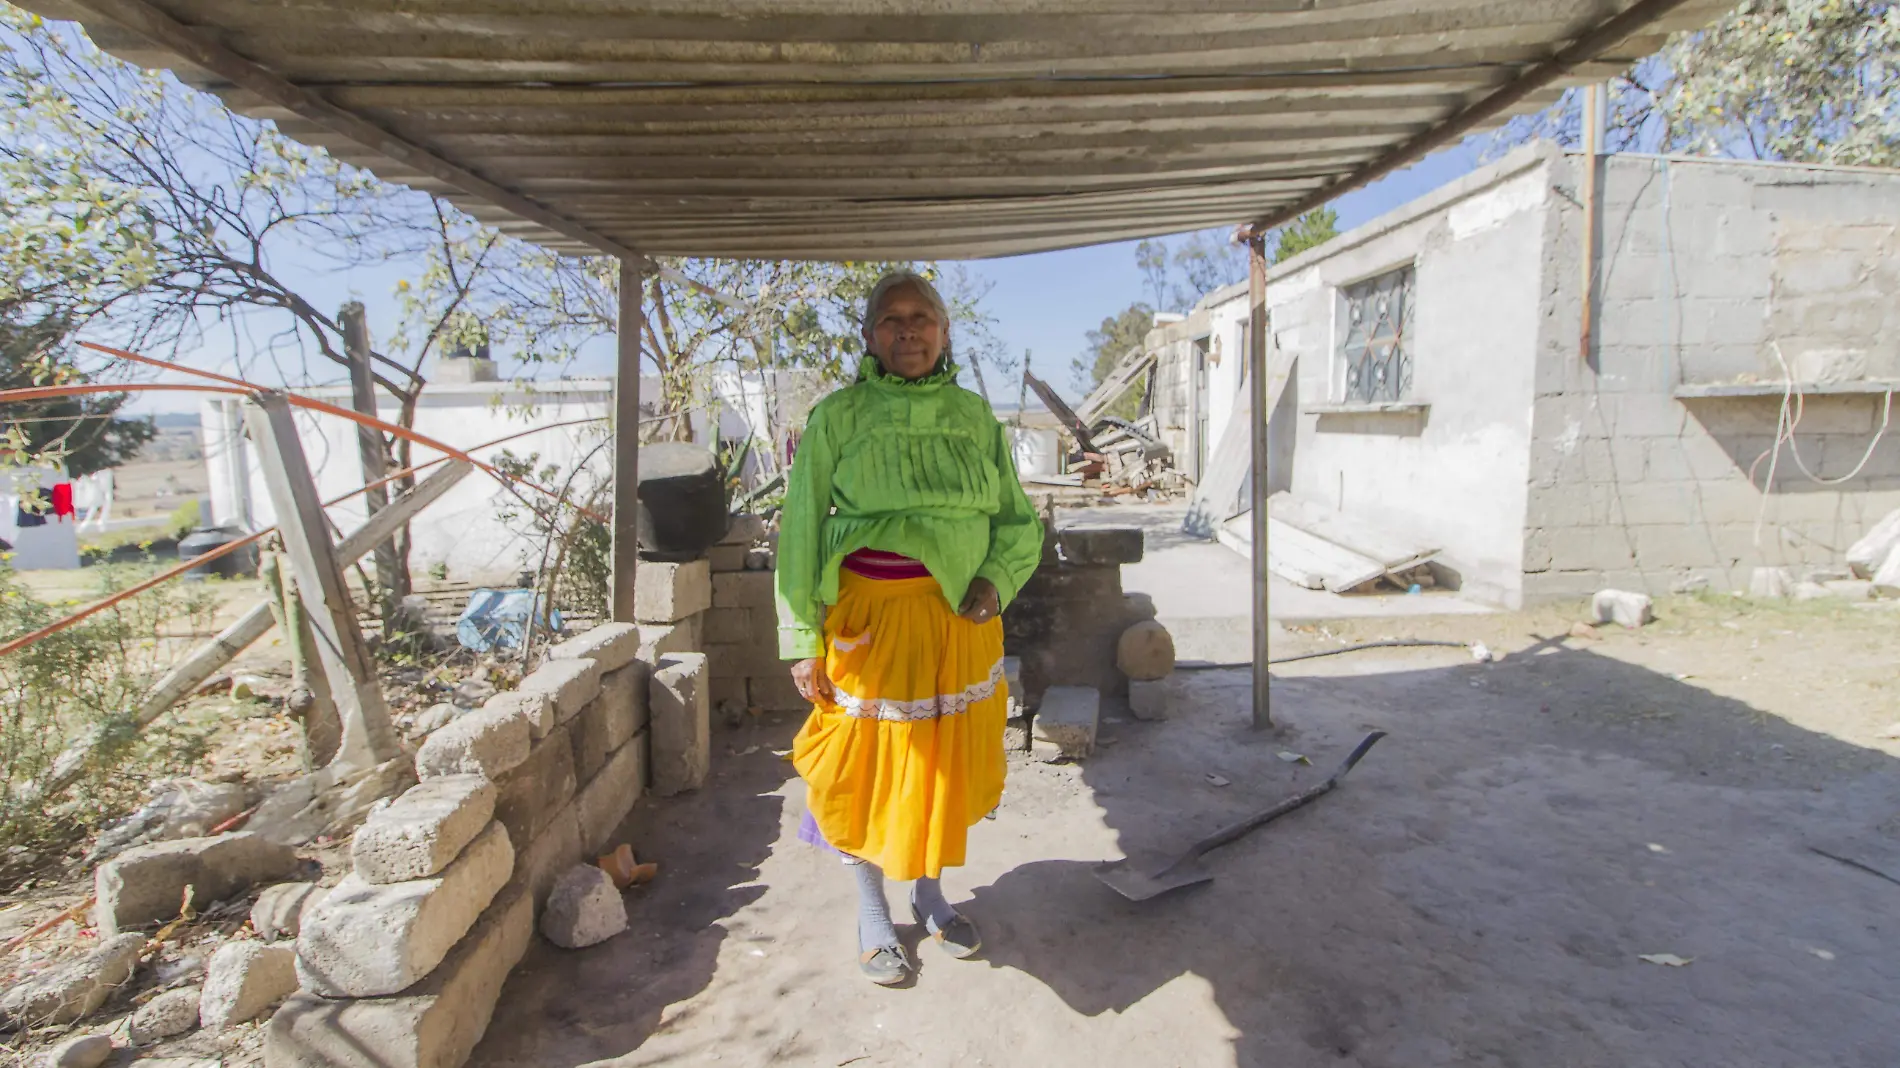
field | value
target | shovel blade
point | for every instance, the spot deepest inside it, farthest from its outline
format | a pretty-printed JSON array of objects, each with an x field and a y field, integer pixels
[{"x": 1139, "y": 884}]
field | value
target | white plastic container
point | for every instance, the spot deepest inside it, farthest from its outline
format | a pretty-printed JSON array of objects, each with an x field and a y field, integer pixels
[{"x": 1036, "y": 450}]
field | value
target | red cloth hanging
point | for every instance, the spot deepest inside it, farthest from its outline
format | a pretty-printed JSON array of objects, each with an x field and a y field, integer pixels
[{"x": 63, "y": 499}]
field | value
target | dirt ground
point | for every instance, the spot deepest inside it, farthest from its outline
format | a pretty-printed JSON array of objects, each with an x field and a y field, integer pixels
[{"x": 1481, "y": 891}]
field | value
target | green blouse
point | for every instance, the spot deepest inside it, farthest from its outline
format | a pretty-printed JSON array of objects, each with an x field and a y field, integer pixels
[{"x": 917, "y": 467}]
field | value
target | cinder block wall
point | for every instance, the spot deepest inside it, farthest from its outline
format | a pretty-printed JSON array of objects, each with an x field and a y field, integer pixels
[
  {"x": 1707, "y": 268},
  {"x": 405, "y": 972},
  {"x": 742, "y": 626}
]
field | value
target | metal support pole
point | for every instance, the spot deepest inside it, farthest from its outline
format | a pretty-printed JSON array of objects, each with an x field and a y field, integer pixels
[
  {"x": 369, "y": 444},
  {"x": 1257, "y": 387},
  {"x": 1593, "y": 124},
  {"x": 368, "y": 737},
  {"x": 626, "y": 515}
]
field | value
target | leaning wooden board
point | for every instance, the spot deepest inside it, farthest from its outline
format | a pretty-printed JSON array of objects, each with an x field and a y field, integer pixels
[
  {"x": 1302, "y": 558},
  {"x": 1392, "y": 548},
  {"x": 1217, "y": 498}
]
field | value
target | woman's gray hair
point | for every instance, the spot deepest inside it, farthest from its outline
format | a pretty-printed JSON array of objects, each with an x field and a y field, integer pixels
[{"x": 875, "y": 302}]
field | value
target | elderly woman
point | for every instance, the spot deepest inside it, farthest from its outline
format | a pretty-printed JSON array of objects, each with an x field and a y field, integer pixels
[{"x": 905, "y": 532}]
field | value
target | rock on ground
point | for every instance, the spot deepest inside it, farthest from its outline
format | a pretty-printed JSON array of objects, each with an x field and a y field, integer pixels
[
  {"x": 433, "y": 718},
  {"x": 1770, "y": 583},
  {"x": 172, "y": 1013},
  {"x": 179, "y": 809},
  {"x": 65, "y": 993},
  {"x": 1151, "y": 699},
  {"x": 279, "y": 910},
  {"x": 85, "y": 1051},
  {"x": 147, "y": 884},
  {"x": 1145, "y": 651},
  {"x": 583, "y": 909},
  {"x": 1626, "y": 609},
  {"x": 245, "y": 980},
  {"x": 422, "y": 831},
  {"x": 1065, "y": 724}
]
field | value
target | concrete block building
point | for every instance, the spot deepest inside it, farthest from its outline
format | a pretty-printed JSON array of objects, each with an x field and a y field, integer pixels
[{"x": 1733, "y": 408}]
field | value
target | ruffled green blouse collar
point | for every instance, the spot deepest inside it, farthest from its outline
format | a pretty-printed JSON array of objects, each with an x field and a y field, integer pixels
[{"x": 869, "y": 370}]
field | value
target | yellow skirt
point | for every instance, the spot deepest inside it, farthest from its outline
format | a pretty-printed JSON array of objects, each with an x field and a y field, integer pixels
[{"x": 908, "y": 753}]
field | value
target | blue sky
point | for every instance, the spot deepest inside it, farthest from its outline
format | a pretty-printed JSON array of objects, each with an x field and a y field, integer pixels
[{"x": 1046, "y": 302}]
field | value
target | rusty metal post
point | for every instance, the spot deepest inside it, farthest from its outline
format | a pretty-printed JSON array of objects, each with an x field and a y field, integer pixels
[
  {"x": 626, "y": 516},
  {"x": 1257, "y": 386}
]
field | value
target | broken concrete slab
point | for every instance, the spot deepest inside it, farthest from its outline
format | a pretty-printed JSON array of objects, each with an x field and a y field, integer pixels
[
  {"x": 680, "y": 723},
  {"x": 147, "y": 884},
  {"x": 278, "y": 911},
  {"x": 1095, "y": 546},
  {"x": 584, "y": 908},
  {"x": 542, "y": 785},
  {"x": 1809, "y": 591},
  {"x": 605, "y": 801},
  {"x": 486, "y": 742},
  {"x": 1145, "y": 651},
  {"x": 1850, "y": 589},
  {"x": 320, "y": 803},
  {"x": 659, "y": 639},
  {"x": 243, "y": 981},
  {"x": 182, "y": 808},
  {"x": 369, "y": 940},
  {"x": 1626, "y": 609},
  {"x": 536, "y": 708},
  {"x": 1067, "y": 720},
  {"x": 81, "y": 1051},
  {"x": 435, "y": 1025},
  {"x": 420, "y": 832},
  {"x": 611, "y": 645},
  {"x": 1887, "y": 578},
  {"x": 609, "y": 720},
  {"x": 1151, "y": 699},
  {"x": 172, "y": 1013},
  {"x": 69, "y": 991},
  {"x": 570, "y": 684},
  {"x": 1770, "y": 583},
  {"x": 669, "y": 592},
  {"x": 1865, "y": 556}
]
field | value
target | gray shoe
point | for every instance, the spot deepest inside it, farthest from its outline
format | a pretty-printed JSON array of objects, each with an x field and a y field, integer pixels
[
  {"x": 959, "y": 937},
  {"x": 885, "y": 965}
]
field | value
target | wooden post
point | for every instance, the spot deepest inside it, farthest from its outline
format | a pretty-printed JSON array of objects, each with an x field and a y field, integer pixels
[
  {"x": 375, "y": 455},
  {"x": 368, "y": 737},
  {"x": 1257, "y": 387},
  {"x": 1593, "y": 123},
  {"x": 626, "y": 513}
]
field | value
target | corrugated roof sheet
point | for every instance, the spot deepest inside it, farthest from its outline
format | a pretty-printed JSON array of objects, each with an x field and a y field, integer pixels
[{"x": 856, "y": 129}]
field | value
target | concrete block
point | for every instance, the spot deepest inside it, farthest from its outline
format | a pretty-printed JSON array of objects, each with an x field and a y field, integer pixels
[
  {"x": 681, "y": 718},
  {"x": 1770, "y": 583},
  {"x": 1850, "y": 589},
  {"x": 278, "y": 912},
  {"x": 745, "y": 589},
  {"x": 243, "y": 981},
  {"x": 1145, "y": 651},
  {"x": 536, "y": 708},
  {"x": 669, "y": 592},
  {"x": 584, "y": 909},
  {"x": 80, "y": 1051},
  {"x": 603, "y": 803},
  {"x": 1809, "y": 591},
  {"x": 1873, "y": 548},
  {"x": 1068, "y": 718},
  {"x": 611, "y": 645},
  {"x": 659, "y": 639},
  {"x": 1887, "y": 579},
  {"x": 172, "y": 1013},
  {"x": 419, "y": 833},
  {"x": 436, "y": 1025},
  {"x": 1093, "y": 545},
  {"x": 146, "y": 884},
  {"x": 727, "y": 557},
  {"x": 570, "y": 684},
  {"x": 775, "y": 692},
  {"x": 366, "y": 940},
  {"x": 612, "y": 718},
  {"x": 542, "y": 785},
  {"x": 746, "y": 528},
  {"x": 737, "y": 625},
  {"x": 1151, "y": 698},
  {"x": 66, "y": 992},
  {"x": 761, "y": 560},
  {"x": 1622, "y": 607},
  {"x": 549, "y": 853},
  {"x": 489, "y": 742}
]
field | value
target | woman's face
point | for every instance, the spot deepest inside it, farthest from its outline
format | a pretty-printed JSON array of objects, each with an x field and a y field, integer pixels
[{"x": 908, "y": 335}]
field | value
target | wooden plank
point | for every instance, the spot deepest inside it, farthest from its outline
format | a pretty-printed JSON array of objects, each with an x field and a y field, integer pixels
[
  {"x": 1392, "y": 548},
  {"x": 1302, "y": 558},
  {"x": 368, "y": 737},
  {"x": 1217, "y": 498},
  {"x": 369, "y": 446},
  {"x": 1118, "y": 381},
  {"x": 1070, "y": 421}
]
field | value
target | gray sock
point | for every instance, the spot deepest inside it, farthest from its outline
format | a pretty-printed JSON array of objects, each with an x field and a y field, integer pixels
[
  {"x": 926, "y": 896},
  {"x": 875, "y": 929}
]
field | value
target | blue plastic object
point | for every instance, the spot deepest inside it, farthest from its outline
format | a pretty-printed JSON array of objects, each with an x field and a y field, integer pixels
[{"x": 498, "y": 619}]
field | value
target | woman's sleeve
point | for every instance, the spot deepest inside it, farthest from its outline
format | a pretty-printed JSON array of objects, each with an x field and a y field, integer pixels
[
  {"x": 801, "y": 614},
  {"x": 1015, "y": 530}
]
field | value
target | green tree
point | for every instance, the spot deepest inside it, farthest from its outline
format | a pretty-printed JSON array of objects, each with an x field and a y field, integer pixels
[
  {"x": 1115, "y": 338},
  {"x": 1310, "y": 230},
  {"x": 83, "y": 434}
]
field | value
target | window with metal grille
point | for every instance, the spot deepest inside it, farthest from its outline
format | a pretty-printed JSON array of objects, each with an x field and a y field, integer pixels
[{"x": 1375, "y": 345}]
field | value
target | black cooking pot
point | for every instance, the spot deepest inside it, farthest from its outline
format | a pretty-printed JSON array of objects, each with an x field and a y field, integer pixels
[
  {"x": 682, "y": 501},
  {"x": 242, "y": 562}
]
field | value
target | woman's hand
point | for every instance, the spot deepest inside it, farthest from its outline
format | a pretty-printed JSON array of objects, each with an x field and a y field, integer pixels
[
  {"x": 810, "y": 678},
  {"x": 981, "y": 604}
]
